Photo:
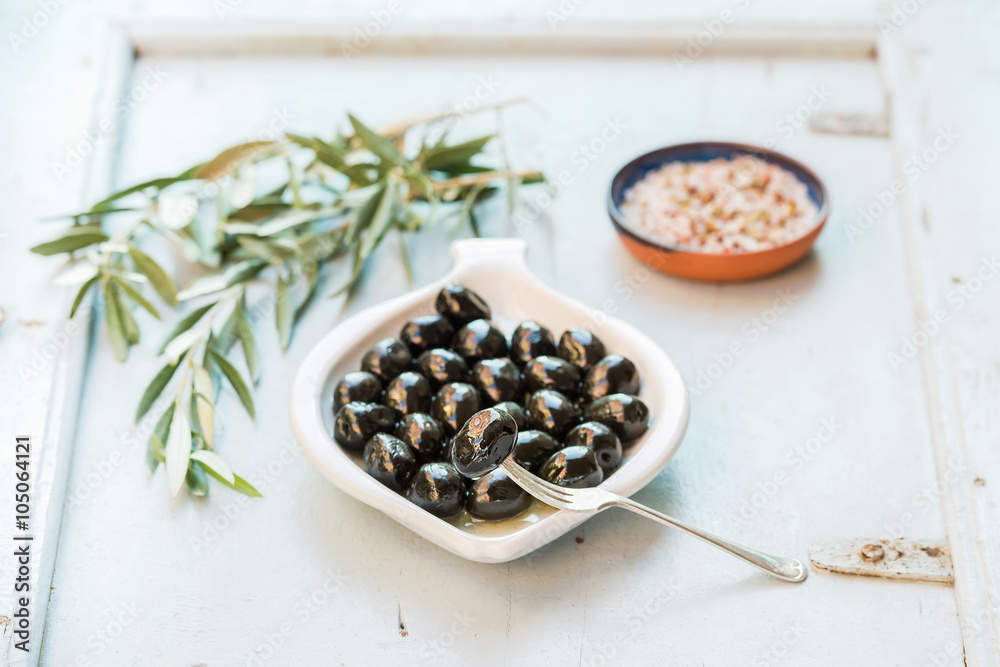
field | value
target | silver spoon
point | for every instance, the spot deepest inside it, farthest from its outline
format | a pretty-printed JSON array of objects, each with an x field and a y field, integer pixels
[{"x": 588, "y": 500}]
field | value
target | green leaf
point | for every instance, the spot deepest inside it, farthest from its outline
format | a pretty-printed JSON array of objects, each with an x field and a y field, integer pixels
[
  {"x": 128, "y": 321},
  {"x": 87, "y": 215},
  {"x": 258, "y": 210},
  {"x": 155, "y": 452},
  {"x": 335, "y": 156},
  {"x": 210, "y": 284},
  {"x": 178, "y": 449},
  {"x": 311, "y": 275},
  {"x": 467, "y": 205},
  {"x": 244, "y": 271},
  {"x": 245, "y": 332},
  {"x": 196, "y": 479},
  {"x": 79, "y": 296},
  {"x": 158, "y": 278},
  {"x": 233, "y": 375},
  {"x": 365, "y": 215},
  {"x": 158, "y": 183},
  {"x": 377, "y": 144},
  {"x": 230, "y": 159},
  {"x": 189, "y": 321},
  {"x": 263, "y": 249},
  {"x": 203, "y": 411},
  {"x": 154, "y": 389},
  {"x": 117, "y": 334},
  {"x": 74, "y": 239},
  {"x": 229, "y": 333},
  {"x": 404, "y": 253},
  {"x": 381, "y": 220},
  {"x": 213, "y": 462},
  {"x": 290, "y": 219},
  {"x": 284, "y": 313},
  {"x": 135, "y": 295},
  {"x": 239, "y": 484},
  {"x": 444, "y": 158}
]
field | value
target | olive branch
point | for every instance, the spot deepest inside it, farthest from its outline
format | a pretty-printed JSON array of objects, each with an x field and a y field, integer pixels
[{"x": 334, "y": 199}]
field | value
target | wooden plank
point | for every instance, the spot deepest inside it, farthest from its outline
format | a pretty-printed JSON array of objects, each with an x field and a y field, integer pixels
[
  {"x": 782, "y": 431},
  {"x": 952, "y": 240},
  {"x": 682, "y": 41},
  {"x": 48, "y": 355}
]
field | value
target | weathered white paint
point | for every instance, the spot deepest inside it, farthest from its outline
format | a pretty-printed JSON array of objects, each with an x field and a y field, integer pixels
[
  {"x": 825, "y": 357},
  {"x": 44, "y": 354}
]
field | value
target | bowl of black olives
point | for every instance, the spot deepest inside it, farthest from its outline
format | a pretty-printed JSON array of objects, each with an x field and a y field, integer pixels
[{"x": 411, "y": 405}]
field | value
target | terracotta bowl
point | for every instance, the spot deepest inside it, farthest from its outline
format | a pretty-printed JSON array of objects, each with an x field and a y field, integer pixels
[{"x": 713, "y": 266}]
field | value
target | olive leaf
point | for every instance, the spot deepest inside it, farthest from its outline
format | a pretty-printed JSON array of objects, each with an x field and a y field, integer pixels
[
  {"x": 80, "y": 294},
  {"x": 235, "y": 380},
  {"x": 154, "y": 389},
  {"x": 247, "y": 342},
  {"x": 231, "y": 159},
  {"x": 104, "y": 206},
  {"x": 239, "y": 484},
  {"x": 212, "y": 461},
  {"x": 337, "y": 203},
  {"x": 156, "y": 451},
  {"x": 383, "y": 148},
  {"x": 178, "y": 446},
  {"x": 76, "y": 238},
  {"x": 456, "y": 156},
  {"x": 203, "y": 406},
  {"x": 186, "y": 323},
  {"x": 117, "y": 335},
  {"x": 284, "y": 313},
  {"x": 158, "y": 278},
  {"x": 134, "y": 294}
]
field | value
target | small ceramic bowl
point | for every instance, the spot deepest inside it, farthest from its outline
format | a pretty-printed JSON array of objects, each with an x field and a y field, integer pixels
[
  {"x": 497, "y": 271},
  {"x": 713, "y": 266}
]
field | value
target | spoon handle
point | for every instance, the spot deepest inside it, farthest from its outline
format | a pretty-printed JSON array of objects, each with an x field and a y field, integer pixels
[{"x": 787, "y": 569}]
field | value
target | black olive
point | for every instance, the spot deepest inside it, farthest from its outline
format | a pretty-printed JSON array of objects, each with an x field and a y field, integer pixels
[
  {"x": 407, "y": 393},
  {"x": 614, "y": 374},
  {"x": 551, "y": 412},
  {"x": 461, "y": 305},
  {"x": 580, "y": 347},
  {"x": 442, "y": 366},
  {"x": 390, "y": 461},
  {"x": 454, "y": 403},
  {"x": 479, "y": 340},
  {"x": 356, "y": 422},
  {"x": 439, "y": 489},
  {"x": 357, "y": 386},
  {"x": 601, "y": 439},
  {"x": 483, "y": 442},
  {"x": 423, "y": 435},
  {"x": 515, "y": 410},
  {"x": 533, "y": 448},
  {"x": 496, "y": 496},
  {"x": 529, "y": 340},
  {"x": 427, "y": 332},
  {"x": 575, "y": 467},
  {"x": 499, "y": 380},
  {"x": 547, "y": 372},
  {"x": 387, "y": 359},
  {"x": 626, "y": 415}
]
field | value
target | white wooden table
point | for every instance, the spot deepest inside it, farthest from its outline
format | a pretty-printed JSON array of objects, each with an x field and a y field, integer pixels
[{"x": 811, "y": 434}]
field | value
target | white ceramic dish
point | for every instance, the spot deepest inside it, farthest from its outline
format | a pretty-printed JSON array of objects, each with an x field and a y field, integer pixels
[{"x": 494, "y": 268}]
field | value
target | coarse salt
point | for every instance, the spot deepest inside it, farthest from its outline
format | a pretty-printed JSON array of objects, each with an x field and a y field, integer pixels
[{"x": 721, "y": 206}]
